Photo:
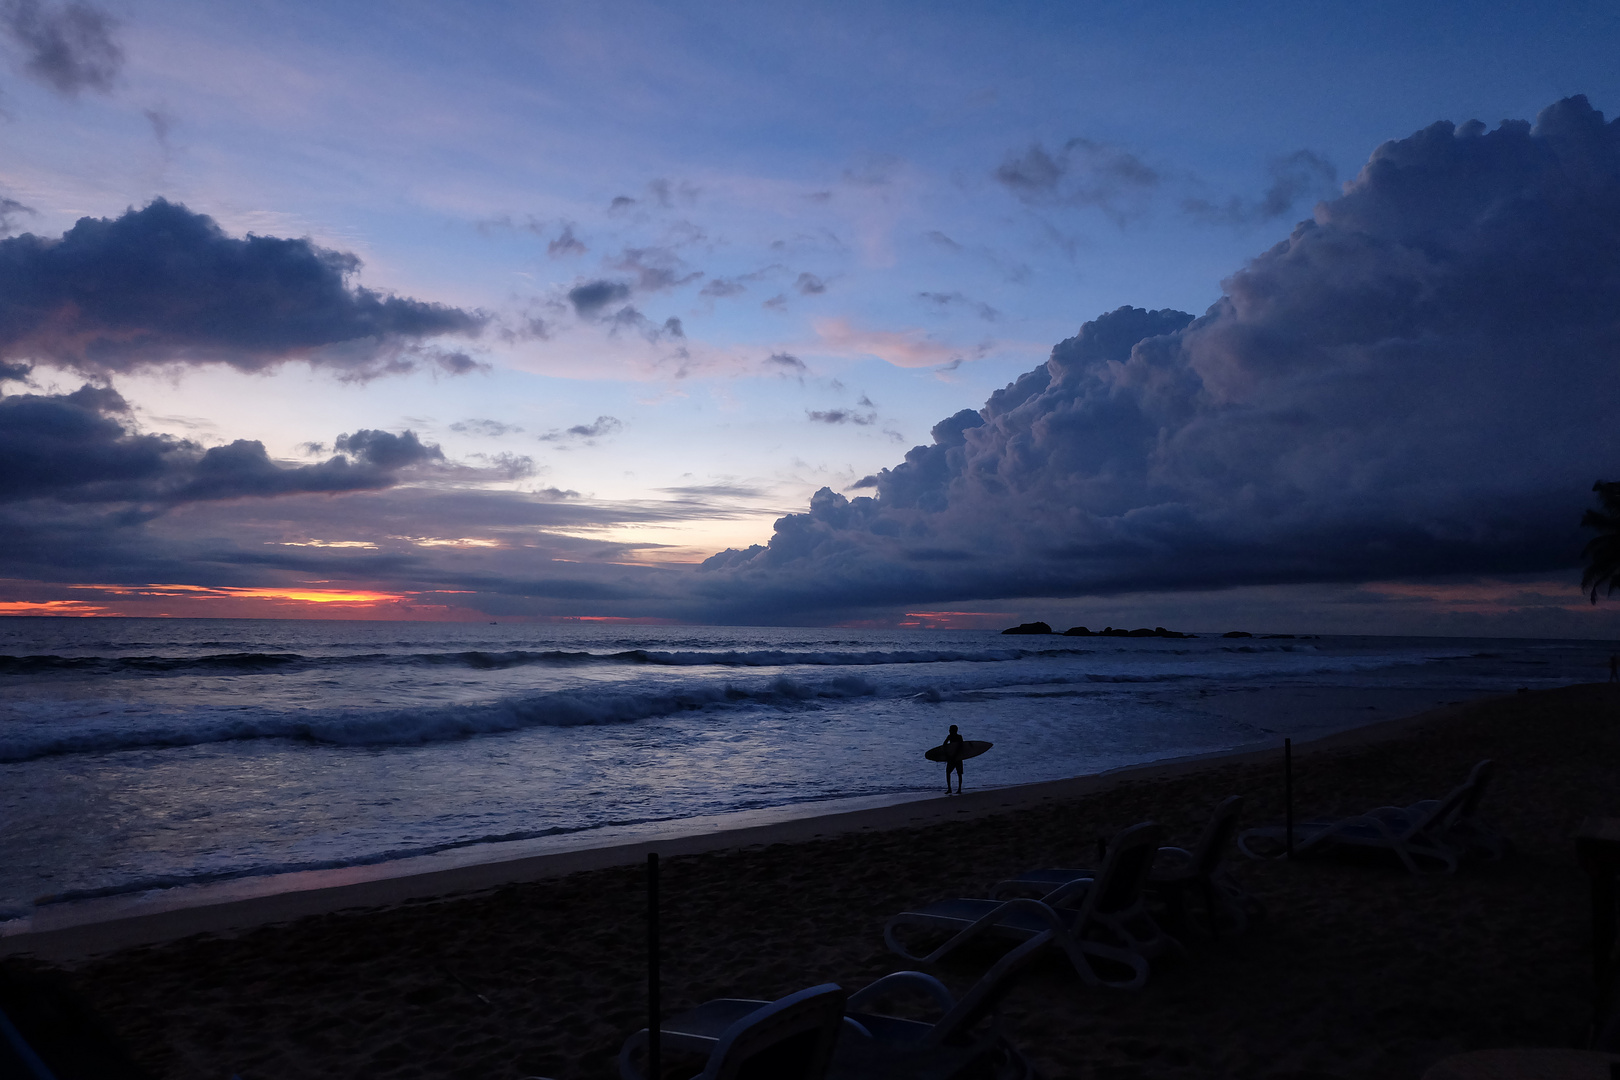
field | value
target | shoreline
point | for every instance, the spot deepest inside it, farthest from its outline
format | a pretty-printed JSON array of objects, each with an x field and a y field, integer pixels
[
  {"x": 1360, "y": 970},
  {"x": 74, "y": 930}
]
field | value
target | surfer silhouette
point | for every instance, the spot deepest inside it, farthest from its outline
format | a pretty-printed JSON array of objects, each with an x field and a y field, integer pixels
[{"x": 953, "y": 759}]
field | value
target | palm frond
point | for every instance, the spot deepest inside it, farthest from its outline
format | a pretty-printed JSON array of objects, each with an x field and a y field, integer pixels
[{"x": 1602, "y": 552}]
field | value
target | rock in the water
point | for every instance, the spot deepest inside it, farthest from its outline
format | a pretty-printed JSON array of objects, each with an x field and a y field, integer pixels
[
  {"x": 1237, "y": 633},
  {"x": 1029, "y": 628},
  {"x": 1109, "y": 631}
]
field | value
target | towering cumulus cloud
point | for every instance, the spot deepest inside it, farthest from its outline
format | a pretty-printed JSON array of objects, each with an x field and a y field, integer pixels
[
  {"x": 1424, "y": 378},
  {"x": 163, "y": 285}
]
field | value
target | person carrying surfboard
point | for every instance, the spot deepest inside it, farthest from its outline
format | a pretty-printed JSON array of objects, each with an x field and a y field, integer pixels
[{"x": 953, "y": 759}]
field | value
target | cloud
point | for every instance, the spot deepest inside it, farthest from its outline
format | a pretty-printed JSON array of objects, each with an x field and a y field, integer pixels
[
  {"x": 592, "y": 296},
  {"x": 656, "y": 268},
  {"x": 162, "y": 123},
  {"x": 508, "y": 466},
  {"x": 162, "y": 285},
  {"x": 9, "y": 211},
  {"x": 488, "y": 428},
  {"x": 1302, "y": 174},
  {"x": 1083, "y": 172},
  {"x": 810, "y": 285},
  {"x": 74, "y": 448},
  {"x": 601, "y": 427},
  {"x": 787, "y": 362},
  {"x": 954, "y": 299},
  {"x": 909, "y": 349},
  {"x": 566, "y": 243},
  {"x": 1420, "y": 380},
  {"x": 69, "y": 49},
  {"x": 842, "y": 416},
  {"x": 720, "y": 287}
]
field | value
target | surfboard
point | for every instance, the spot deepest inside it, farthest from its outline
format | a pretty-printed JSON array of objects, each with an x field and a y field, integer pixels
[{"x": 970, "y": 748}]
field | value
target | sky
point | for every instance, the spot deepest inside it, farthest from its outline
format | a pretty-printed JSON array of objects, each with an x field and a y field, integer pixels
[{"x": 1290, "y": 318}]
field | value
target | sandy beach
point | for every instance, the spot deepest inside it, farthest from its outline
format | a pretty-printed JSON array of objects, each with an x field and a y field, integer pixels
[{"x": 1360, "y": 970}]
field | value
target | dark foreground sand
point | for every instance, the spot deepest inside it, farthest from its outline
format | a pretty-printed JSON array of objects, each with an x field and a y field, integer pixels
[{"x": 1361, "y": 970}]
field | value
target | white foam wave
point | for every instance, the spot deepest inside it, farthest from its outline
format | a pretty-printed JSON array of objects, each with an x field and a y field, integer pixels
[{"x": 131, "y": 729}]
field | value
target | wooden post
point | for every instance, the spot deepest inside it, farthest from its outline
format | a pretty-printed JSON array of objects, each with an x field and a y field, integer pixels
[
  {"x": 1288, "y": 792},
  {"x": 654, "y": 1024}
]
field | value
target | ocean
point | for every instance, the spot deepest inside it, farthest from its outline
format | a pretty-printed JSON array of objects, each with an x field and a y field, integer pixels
[{"x": 139, "y": 754}]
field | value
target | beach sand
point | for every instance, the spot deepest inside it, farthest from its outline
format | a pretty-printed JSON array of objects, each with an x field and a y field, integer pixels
[{"x": 1360, "y": 970}]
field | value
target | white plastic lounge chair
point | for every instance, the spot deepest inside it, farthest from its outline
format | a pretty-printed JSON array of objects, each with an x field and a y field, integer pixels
[
  {"x": 788, "y": 1039},
  {"x": 959, "y": 1043},
  {"x": 1427, "y": 836},
  {"x": 1175, "y": 873},
  {"x": 1463, "y": 830},
  {"x": 1101, "y": 917},
  {"x": 874, "y": 1046}
]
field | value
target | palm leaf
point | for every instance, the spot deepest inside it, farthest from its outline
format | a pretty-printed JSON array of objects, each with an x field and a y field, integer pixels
[{"x": 1602, "y": 552}]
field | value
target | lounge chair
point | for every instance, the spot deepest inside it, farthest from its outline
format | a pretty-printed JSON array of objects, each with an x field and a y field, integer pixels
[
  {"x": 1429, "y": 836},
  {"x": 1095, "y": 917},
  {"x": 871, "y": 1045},
  {"x": 788, "y": 1039},
  {"x": 1175, "y": 873},
  {"x": 958, "y": 1044},
  {"x": 1463, "y": 830}
]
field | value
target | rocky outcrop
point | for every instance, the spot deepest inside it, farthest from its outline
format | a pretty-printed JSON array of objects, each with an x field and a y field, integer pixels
[
  {"x": 1028, "y": 628},
  {"x": 1109, "y": 631}
]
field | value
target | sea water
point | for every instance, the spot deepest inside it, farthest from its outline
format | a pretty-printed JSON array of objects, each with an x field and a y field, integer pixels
[{"x": 144, "y": 753}]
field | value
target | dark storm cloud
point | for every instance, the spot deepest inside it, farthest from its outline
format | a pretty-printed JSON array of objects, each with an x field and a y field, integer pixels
[
  {"x": 1083, "y": 172},
  {"x": 1300, "y": 175},
  {"x": 69, "y": 48},
  {"x": 1421, "y": 379},
  {"x": 163, "y": 285},
  {"x": 74, "y": 448}
]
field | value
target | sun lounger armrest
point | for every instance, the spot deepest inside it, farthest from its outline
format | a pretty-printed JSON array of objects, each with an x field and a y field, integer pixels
[
  {"x": 627, "y": 1067},
  {"x": 861, "y": 1000},
  {"x": 1068, "y": 890}
]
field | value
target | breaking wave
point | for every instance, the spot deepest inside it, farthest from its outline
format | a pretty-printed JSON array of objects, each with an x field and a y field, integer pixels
[{"x": 406, "y": 726}]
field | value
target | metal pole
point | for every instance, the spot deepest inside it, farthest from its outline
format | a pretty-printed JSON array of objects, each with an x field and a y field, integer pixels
[
  {"x": 1288, "y": 791},
  {"x": 654, "y": 1027}
]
